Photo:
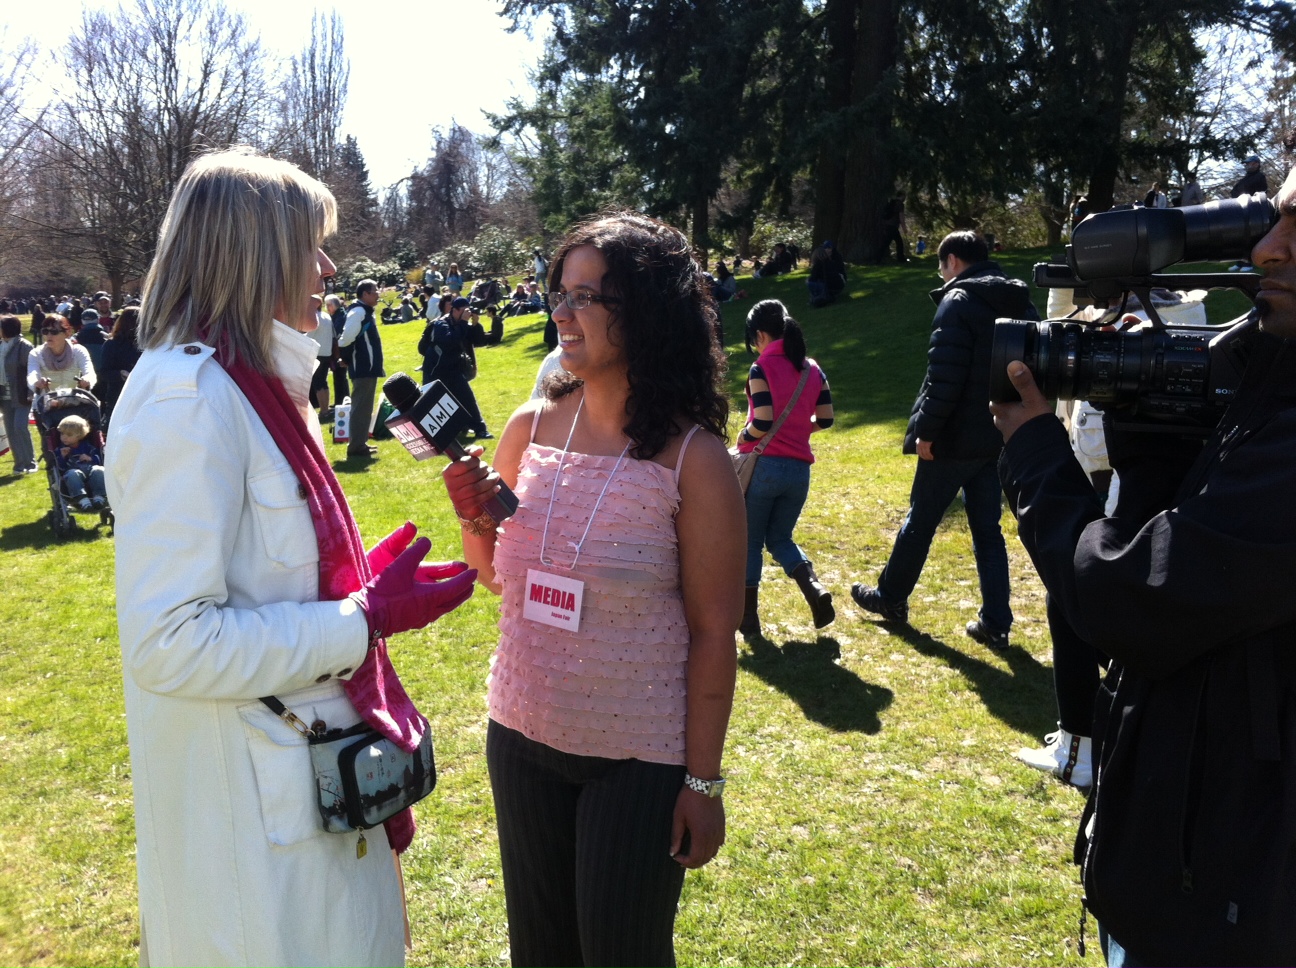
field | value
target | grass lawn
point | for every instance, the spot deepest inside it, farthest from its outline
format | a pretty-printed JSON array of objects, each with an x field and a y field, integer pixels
[{"x": 876, "y": 814}]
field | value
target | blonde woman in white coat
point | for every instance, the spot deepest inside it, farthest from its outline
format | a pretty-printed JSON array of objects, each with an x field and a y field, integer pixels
[{"x": 221, "y": 594}]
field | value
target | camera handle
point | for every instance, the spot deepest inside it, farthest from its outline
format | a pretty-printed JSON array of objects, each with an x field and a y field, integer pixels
[{"x": 1059, "y": 276}]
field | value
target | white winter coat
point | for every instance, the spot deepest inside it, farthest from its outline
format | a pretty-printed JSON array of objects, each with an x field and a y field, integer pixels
[{"x": 217, "y": 587}]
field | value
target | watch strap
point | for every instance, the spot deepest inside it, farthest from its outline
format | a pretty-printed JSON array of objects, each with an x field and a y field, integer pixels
[{"x": 708, "y": 788}]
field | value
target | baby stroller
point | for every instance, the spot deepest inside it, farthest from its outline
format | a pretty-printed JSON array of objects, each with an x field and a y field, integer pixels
[
  {"x": 49, "y": 408},
  {"x": 486, "y": 297}
]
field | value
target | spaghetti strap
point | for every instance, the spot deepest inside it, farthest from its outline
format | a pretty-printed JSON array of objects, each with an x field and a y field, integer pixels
[
  {"x": 679, "y": 461},
  {"x": 535, "y": 422}
]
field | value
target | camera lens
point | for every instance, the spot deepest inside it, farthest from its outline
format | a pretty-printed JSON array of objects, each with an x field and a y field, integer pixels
[
  {"x": 1226, "y": 229},
  {"x": 1051, "y": 351},
  {"x": 1167, "y": 371},
  {"x": 1139, "y": 241}
]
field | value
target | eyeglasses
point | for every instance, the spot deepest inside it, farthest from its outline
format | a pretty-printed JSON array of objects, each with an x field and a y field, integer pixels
[
  {"x": 579, "y": 299},
  {"x": 51, "y": 332}
]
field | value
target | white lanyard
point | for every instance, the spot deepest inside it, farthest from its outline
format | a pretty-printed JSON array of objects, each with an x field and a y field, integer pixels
[{"x": 553, "y": 492}]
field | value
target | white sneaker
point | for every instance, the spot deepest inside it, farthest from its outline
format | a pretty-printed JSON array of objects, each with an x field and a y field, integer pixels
[{"x": 1066, "y": 756}]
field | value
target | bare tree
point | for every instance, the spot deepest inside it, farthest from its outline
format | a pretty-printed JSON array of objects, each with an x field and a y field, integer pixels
[
  {"x": 15, "y": 130},
  {"x": 1231, "y": 114},
  {"x": 148, "y": 87},
  {"x": 314, "y": 97},
  {"x": 446, "y": 199}
]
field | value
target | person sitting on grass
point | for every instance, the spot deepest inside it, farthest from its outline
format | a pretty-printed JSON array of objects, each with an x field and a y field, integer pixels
[
  {"x": 80, "y": 463},
  {"x": 535, "y": 298}
]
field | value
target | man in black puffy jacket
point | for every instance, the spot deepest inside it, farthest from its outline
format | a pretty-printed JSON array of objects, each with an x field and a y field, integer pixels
[
  {"x": 954, "y": 437},
  {"x": 1188, "y": 842}
]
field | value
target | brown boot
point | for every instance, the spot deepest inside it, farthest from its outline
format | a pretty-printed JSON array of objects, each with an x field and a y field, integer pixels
[
  {"x": 750, "y": 621},
  {"x": 817, "y": 597}
]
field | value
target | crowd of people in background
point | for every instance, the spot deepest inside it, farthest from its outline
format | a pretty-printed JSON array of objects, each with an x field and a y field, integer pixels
[{"x": 612, "y": 734}]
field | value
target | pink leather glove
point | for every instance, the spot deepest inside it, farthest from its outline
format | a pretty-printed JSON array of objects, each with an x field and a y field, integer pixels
[
  {"x": 396, "y": 600},
  {"x": 385, "y": 551}
]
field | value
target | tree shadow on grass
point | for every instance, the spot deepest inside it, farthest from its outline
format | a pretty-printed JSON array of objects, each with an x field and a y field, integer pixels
[
  {"x": 808, "y": 673},
  {"x": 1020, "y": 696}
]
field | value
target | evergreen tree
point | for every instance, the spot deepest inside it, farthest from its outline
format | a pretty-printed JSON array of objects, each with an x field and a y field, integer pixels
[
  {"x": 669, "y": 82},
  {"x": 357, "y": 205}
]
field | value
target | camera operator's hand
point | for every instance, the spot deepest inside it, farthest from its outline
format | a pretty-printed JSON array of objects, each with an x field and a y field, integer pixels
[{"x": 1009, "y": 416}]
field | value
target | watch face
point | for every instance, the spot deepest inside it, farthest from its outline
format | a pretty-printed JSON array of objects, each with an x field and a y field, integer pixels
[{"x": 717, "y": 788}]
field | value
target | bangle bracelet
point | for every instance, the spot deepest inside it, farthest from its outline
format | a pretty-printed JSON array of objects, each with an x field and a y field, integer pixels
[{"x": 481, "y": 526}]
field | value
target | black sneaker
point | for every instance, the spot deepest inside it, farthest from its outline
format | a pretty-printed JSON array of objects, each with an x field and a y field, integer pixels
[
  {"x": 483, "y": 435},
  {"x": 870, "y": 599},
  {"x": 978, "y": 632}
]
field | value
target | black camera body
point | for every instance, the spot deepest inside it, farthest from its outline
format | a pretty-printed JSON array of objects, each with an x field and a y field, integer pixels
[{"x": 1161, "y": 377}]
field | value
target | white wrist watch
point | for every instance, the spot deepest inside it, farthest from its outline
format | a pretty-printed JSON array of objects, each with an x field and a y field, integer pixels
[{"x": 708, "y": 788}]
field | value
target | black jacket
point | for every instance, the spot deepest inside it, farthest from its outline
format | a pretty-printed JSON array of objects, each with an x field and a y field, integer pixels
[
  {"x": 1250, "y": 183},
  {"x": 1190, "y": 587},
  {"x": 442, "y": 348},
  {"x": 952, "y": 409}
]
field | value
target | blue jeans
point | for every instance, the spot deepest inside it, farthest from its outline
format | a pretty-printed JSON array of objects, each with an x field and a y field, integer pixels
[
  {"x": 935, "y": 485},
  {"x": 774, "y": 501},
  {"x": 20, "y": 442},
  {"x": 75, "y": 481}
]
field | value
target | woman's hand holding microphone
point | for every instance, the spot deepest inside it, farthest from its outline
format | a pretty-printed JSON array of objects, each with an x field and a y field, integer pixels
[{"x": 471, "y": 482}]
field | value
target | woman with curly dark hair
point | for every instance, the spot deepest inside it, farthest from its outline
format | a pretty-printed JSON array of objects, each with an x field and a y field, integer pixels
[{"x": 621, "y": 576}]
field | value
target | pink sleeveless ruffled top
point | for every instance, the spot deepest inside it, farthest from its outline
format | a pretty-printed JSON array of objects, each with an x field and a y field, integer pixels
[{"x": 616, "y": 687}]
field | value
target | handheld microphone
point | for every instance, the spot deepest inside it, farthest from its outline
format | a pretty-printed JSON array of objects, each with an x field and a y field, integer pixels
[{"x": 428, "y": 423}]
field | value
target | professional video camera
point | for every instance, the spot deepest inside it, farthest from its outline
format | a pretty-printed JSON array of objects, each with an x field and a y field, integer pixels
[{"x": 1161, "y": 377}]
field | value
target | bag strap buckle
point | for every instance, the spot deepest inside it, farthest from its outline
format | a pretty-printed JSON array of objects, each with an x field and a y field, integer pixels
[{"x": 288, "y": 716}]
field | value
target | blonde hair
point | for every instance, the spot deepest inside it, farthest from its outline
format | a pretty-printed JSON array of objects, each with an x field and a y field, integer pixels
[
  {"x": 80, "y": 424},
  {"x": 238, "y": 244}
]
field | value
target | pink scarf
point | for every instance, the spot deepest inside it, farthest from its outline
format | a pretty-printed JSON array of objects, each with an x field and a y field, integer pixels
[{"x": 375, "y": 690}]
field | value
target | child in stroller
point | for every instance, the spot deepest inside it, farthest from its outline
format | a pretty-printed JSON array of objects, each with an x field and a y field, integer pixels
[
  {"x": 50, "y": 410},
  {"x": 80, "y": 463}
]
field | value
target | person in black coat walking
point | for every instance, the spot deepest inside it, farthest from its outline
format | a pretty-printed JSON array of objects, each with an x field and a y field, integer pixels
[{"x": 952, "y": 433}]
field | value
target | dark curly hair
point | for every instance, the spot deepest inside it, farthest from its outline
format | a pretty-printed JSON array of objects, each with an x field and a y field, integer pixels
[{"x": 666, "y": 322}]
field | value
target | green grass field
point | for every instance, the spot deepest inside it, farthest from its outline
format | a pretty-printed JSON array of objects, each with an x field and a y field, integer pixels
[{"x": 876, "y": 814}]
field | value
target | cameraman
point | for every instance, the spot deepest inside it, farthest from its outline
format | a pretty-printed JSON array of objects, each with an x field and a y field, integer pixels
[
  {"x": 447, "y": 350},
  {"x": 1188, "y": 842}
]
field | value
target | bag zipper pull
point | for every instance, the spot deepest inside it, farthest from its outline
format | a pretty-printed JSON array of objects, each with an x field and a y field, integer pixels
[{"x": 362, "y": 848}]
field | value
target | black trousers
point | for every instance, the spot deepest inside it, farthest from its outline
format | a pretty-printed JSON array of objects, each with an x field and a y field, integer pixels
[
  {"x": 1075, "y": 673},
  {"x": 584, "y": 841},
  {"x": 341, "y": 386},
  {"x": 461, "y": 390}
]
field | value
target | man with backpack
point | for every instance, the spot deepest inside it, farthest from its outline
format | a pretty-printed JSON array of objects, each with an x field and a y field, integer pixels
[
  {"x": 447, "y": 350},
  {"x": 362, "y": 348}
]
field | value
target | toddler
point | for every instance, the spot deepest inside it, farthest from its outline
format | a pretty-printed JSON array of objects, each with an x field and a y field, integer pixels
[{"x": 80, "y": 463}]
